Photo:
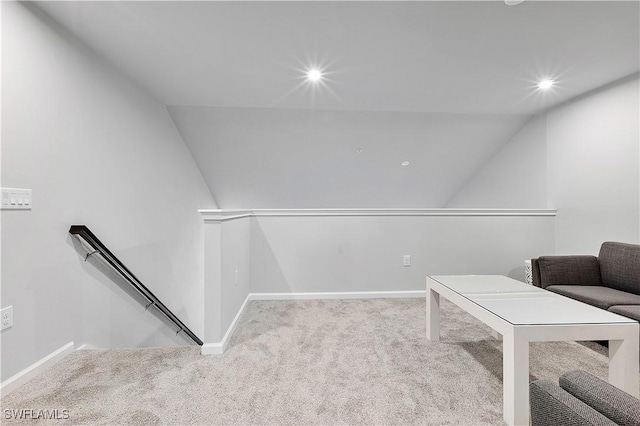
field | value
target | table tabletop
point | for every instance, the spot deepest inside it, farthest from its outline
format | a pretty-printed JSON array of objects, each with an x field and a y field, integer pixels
[{"x": 522, "y": 304}]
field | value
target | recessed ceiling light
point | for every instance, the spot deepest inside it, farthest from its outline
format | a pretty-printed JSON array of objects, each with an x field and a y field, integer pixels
[
  {"x": 314, "y": 75},
  {"x": 359, "y": 150},
  {"x": 405, "y": 163},
  {"x": 513, "y": 2},
  {"x": 545, "y": 84}
]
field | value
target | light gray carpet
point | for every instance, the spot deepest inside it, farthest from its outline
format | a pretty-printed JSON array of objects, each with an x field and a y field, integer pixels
[{"x": 304, "y": 362}]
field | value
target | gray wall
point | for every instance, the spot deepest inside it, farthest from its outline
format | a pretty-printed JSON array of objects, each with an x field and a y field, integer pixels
[
  {"x": 516, "y": 177},
  {"x": 365, "y": 253},
  {"x": 593, "y": 169},
  {"x": 236, "y": 256},
  {"x": 278, "y": 158},
  {"x": 580, "y": 158},
  {"x": 96, "y": 151}
]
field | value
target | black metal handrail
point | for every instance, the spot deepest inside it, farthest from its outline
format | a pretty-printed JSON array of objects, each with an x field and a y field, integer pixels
[{"x": 99, "y": 248}]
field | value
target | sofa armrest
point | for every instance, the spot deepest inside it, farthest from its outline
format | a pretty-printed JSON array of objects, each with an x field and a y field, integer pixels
[
  {"x": 568, "y": 270},
  {"x": 553, "y": 406},
  {"x": 620, "y": 266},
  {"x": 607, "y": 399},
  {"x": 535, "y": 272}
]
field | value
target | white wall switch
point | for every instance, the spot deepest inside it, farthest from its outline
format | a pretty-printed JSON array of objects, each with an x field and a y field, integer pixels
[
  {"x": 406, "y": 260},
  {"x": 6, "y": 317},
  {"x": 16, "y": 199}
]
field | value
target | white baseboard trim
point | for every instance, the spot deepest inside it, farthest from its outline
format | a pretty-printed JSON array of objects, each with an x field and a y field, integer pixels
[
  {"x": 338, "y": 295},
  {"x": 34, "y": 369},
  {"x": 86, "y": 346},
  {"x": 219, "y": 347},
  {"x": 212, "y": 348}
]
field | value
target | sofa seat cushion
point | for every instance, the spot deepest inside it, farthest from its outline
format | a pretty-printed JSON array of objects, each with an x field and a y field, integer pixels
[
  {"x": 602, "y": 297},
  {"x": 629, "y": 311}
]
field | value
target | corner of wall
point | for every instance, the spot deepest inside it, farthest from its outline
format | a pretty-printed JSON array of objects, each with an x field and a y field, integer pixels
[
  {"x": 510, "y": 177},
  {"x": 227, "y": 278},
  {"x": 194, "y": 163}
]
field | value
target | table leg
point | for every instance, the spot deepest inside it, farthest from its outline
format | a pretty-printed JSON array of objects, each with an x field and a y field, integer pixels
[
  {"x": 515, "y": 380},
  {"x": 623, "y": 363},
  {"x": 433, "y": 314}
]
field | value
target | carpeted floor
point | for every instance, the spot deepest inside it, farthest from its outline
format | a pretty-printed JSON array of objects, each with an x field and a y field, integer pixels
[{"x": 303, "y": 362}]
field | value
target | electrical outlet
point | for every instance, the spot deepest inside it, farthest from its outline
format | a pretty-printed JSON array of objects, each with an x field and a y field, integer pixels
[
  {"x": 6, "y": 317},
  {"x": 237, "y": 278},
  {"x": 407, "y": 260}
]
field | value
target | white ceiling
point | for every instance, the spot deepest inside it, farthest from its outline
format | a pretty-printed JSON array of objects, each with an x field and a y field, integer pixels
[
  {"x": 442, "y": 84},
  {"x": 436, "y": 56}
]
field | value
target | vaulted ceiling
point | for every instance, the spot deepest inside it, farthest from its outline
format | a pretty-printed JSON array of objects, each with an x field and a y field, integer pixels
[
  {"x": 433, "y": 56},
  {"x": 231, "y": 72}
]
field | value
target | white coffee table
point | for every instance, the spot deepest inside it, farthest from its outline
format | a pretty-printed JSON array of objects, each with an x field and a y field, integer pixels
[{"x": 522, "y": 313}]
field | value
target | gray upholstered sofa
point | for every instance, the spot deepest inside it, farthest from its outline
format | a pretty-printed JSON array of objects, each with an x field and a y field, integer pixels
[
  {"x": 610, "y": 281},
  {"x": 581, "y": 399}
]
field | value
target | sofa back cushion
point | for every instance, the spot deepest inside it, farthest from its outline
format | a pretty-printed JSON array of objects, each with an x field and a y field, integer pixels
[
  {"x": 620, "y": 266},
  {"x": 569, "y": 270}
]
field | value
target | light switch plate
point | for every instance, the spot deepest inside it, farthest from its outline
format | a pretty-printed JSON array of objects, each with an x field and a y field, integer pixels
[{"x": 16, "y": 199}]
